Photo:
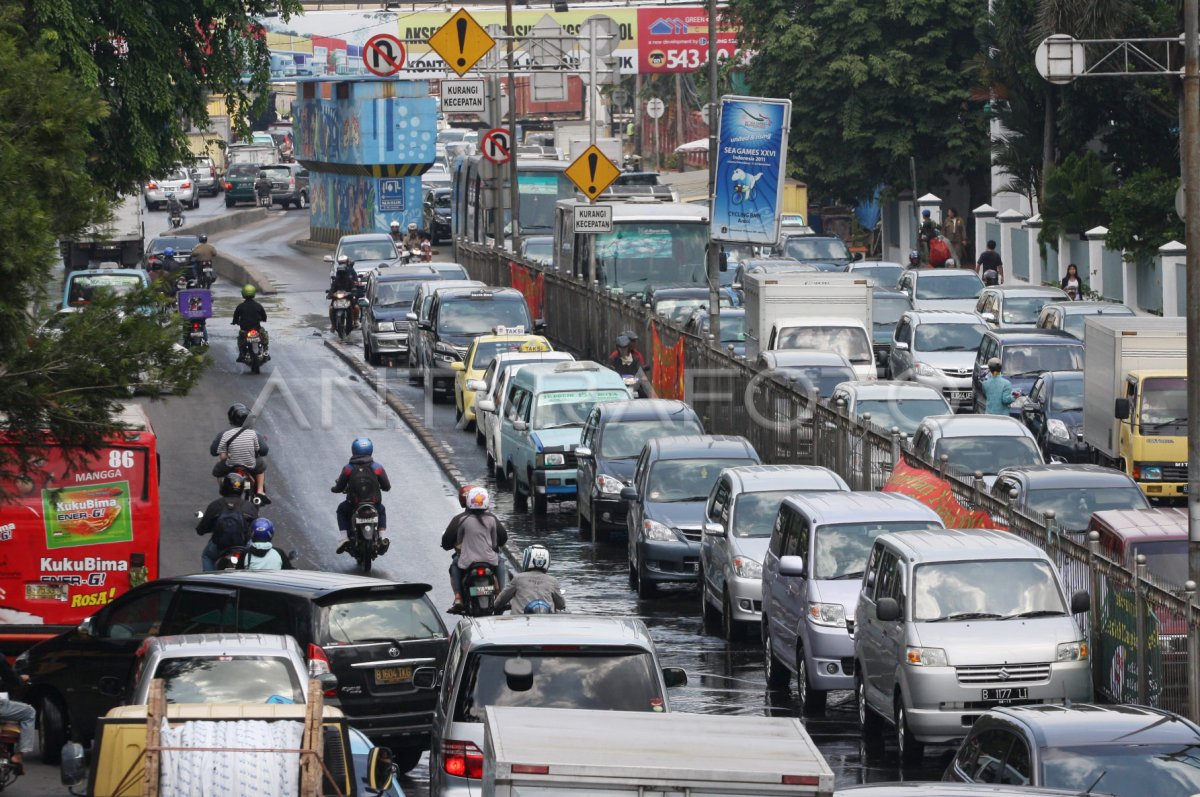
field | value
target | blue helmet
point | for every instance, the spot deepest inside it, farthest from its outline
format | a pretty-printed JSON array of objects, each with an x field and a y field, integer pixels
[
  {"x": 362, "y": 447},
  {"x": 539, "y": 606},
  {"x": 262, "y": 530},
  {"x": 169, "y": 251}
]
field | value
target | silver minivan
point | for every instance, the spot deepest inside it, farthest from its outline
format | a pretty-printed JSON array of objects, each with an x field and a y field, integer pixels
[
  {"x": 811, "y": 578},
  {"x": 951, "y": 623},
  {"x": 738, "y": 519}
]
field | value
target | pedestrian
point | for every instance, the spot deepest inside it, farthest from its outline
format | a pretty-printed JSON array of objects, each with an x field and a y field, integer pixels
[
  {"x": 990, "y": 261},
  {"x": 955, "y": 231},
  {"x": 1072, "y": 284},
  {"x": 997, "y": 390},
  {"x": 926, "y": 233}
]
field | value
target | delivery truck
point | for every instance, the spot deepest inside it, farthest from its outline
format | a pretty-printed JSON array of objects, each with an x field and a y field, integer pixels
[
  {"x": 770, "y": 297},
  {"x": 538, "y": 752},
  {"x": 1135, "y": 399},
  {"x": 119, "y": 241}
]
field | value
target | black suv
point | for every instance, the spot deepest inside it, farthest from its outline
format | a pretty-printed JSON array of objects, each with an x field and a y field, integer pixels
[
  {"x": 370, "y": 633},
  {"x": 289, "y": 184}
]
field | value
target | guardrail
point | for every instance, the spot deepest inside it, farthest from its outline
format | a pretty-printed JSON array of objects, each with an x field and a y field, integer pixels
[{"x": 1144, "y": 635}]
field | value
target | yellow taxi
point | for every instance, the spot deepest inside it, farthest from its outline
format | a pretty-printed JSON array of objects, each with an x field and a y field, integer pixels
[{"x": 479, "y": 356}]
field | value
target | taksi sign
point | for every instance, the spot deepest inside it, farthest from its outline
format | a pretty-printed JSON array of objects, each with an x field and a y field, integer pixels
[
  {"x": 591, "y": 219},
  {"x": 751, "y": 156}
]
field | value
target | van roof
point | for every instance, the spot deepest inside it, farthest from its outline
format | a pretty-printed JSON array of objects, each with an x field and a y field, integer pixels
[
  {"x": 952, "y": 545},
  {"x": 569, "y": 372},
  {"x": 1160, "y": 523},
  {"x": 760, "y": 478},
  {"x": 226, "y": 644},
  {"x": 848, "y": 507},
  {"x": 311, "y": 584},
  {"x": 555, "y": 629},
  {"x": 695, "y": 446}
]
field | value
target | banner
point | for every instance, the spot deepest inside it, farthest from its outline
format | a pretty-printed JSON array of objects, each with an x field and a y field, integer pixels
[
  {"x": 532, "y": 288},
  {"x": 1115, "y": 653},
  {"x": 96, "y": 513},
  {"x": 674, "y": 39},
  {"x": 751, "y": 157},
  {"x": 935, "y": 492},
  {"x": 667, "y": 373}
]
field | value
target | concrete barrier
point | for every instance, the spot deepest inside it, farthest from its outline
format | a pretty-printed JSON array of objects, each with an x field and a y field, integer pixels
[{"x": 228, "y": 267}]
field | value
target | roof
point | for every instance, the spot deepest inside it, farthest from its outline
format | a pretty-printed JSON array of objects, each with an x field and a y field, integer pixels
[
  {"x": 456, "y": 291},
  {"x": 221, "y": 645},
  {"x": 944, "y": 316},
  {"x": 365, "y": 236},
  {"x": 977, "y": 426},
  {"x": 592, "y": 374},
  {"x": 227, "y": 711},
  {"x": 888, "y": 293},
  {"x": 405, "y": 274},
  {"x": 1016, "y": 289},
  {"x": 687, "y": 291},
  {"x": 943, "y": 272},
  {"x": 1158, "y": 523},
  {"x": 889, "y": 388},
  {"x": 760, "y": 478},
  {"x": 939, "y": 545},
  {"x": 1067, "y": 476},
  {"x": 1088, "y": 724},
  {"x": 1090, "y": 308},
  {"x": 695, "y": 446},
  {"x": 645, "y": 409},
  {"x": 819, "y": 321},
  {"x": 555, "y": 629},
  {"x": 633, "y": 210},
  {"x": 312, "y": 584},
  {"x": 831, "y": 507},
  {"x": 1034, "y": 335},
  {"x": 796, "y": 358}
]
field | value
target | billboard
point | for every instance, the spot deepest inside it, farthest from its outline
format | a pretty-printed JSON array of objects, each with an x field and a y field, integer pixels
[
  {"x": 675, "y": 39},
  {"x": 751, "y": 157}
]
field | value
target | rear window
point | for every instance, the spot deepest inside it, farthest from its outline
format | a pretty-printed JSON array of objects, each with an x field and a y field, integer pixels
[
  {"x": 381, "y": 619},
  {"x": 243, "y": 170},
  {"x": 618, "y": 680},
  {"x": 230, "y": 679}
]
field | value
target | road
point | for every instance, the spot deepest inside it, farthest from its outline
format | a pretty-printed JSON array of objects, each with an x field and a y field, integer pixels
[{"x": 311, "y": 407}]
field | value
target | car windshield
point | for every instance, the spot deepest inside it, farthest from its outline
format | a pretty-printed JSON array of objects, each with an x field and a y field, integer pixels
[
  {"x": 1033, "y": 359},
  {"x": 464, "y": 316},
  {"x": 804, "y": 248},
  {"x": 624, "y": 439},
  {"x": 944, "y": 286},
  {"x": 987, "y": 454},
  {"x": 369, "y": 250},
  {"x": 754, "y": 513},
  {"x": 635, "y": 253},
  {"x": 443, "y": 199},
  {"x": 1124, "y": 770},
  {"x": 885, "y": 277},
  {"x": 1074, "y": 322},
  {"x": 395, "y": 619},
  {"x": 850, "y": 342},
  {"x": 486, "y": 351},
  {"x": 684, "y": 480},
  {"x": 598, "y": 680},
  {"x": 539, "y": 249},
  {"x": 997, "y": 588},
  {"x": 180, "y": 243},
  {"x": 1023, "y": 309},
  {"x": 561, "y": 409},
  {"x": 733, "y": 327},
  {"x": 449, "y": 135},
  {"x": 1067, "y": 396},
  {"x": 1165, "y": 559},
  {"x": 840, "y": 550},
  {"x": 680, "y": 309},
  {"x": 1164, "y": 406},
  {"x": 451, "y": 271},
  {"x": 538, "y": 191},
  {"x": 906, "y": 414},
  {"x": 243, "y": 170},
  {"x": 277, "y": 172},
  {"x": 229, "y": 679},
  {"x": 1073, "y": 506},
  {"x": 84, "y": 287},
  {"x": 821, "y": 378},
  {"x": 949, "y": 337},
  {"x": 396, "y": 293},
  {"x": 886, "y": 310}
]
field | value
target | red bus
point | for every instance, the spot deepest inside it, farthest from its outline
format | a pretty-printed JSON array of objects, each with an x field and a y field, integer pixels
[{"x": 74, "y": 539}]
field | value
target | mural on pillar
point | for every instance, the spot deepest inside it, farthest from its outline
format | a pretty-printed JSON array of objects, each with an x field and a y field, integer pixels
[
  {"x": 356, "y": 203},
  {"x": 367, "y": 131}
]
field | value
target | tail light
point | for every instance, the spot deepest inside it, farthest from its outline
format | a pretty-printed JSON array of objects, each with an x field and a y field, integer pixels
[
  {"x": 195, "y": 326},
  {"x": 212, "y": 171},
  {"x": 462, "y": 760},
  {"x": 481, "y": 571},
  {"x": 185, "y": 185},
  {"x": 318, "y": 662},
  {"x": 228, "y": 186},
  {"x": 291, "y": 182},
  {"x": 151, "y": 186},
  {"x": 252, "y": 333}
]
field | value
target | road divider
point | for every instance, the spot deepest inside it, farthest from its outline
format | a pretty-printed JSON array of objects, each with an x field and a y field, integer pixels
[{"x": 234, "y": 269}]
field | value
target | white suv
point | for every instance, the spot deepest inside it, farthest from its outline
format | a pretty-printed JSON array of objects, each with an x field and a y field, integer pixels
[{"x": 179, "y": 183}]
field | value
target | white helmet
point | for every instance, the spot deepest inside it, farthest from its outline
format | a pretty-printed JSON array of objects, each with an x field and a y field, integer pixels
[
  {"x": 396, "y": 225},
  {"x": 478, "y": 500},
  {"x": 536, "y": 557},
  {"x": 950, "y": 263}
]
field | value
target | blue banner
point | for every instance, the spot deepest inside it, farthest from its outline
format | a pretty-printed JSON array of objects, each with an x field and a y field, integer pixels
[{"x": 751, "y": 156}]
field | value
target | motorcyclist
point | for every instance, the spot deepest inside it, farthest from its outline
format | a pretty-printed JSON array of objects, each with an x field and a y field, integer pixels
[
  {"x": 221, "y": 519},
  {"x": 241, "y": 446},
  {"x": 624, "y": 359},
  {"x": 343, "y": 279},
  {"x": 426, "y": 248},
  {"x": 247, "y": 316},
  {"x": 478, "y": 539},
  {"x": 261, "y": 553},
  {"x": 174, "y": 208},
  {"x": 413, "y": 239},
  {"x": 16, "y": 711},
  {"x": 204, "y": 252},
  {"x": 397, "y": 236},
  {"x": 262, "y": 187},
  {"x": 532, "y": 584},
  {"x": 450, "y": 535},
  {"x": 166, "y": 260},
  {"x": 363, "y": 480}
]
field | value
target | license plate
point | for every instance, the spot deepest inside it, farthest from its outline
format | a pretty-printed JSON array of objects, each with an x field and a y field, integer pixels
[
  {"x": 960, "y": 395},
  {"x": 392, "y": 675},
  {"x": 487, "y": 589},
  {"x": 1004, "y": 694},
  {"x": 338, "y": 304},
  {"x": 45, "y": 592}
]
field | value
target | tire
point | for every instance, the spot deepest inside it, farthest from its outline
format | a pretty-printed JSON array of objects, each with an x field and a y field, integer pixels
[
  {"x": 872, "y": 723},
  {"x": 229, "y": 202},
  {"x": 633, "y": 585},
  {"x": 458, "y": 411},
  {"x": 585, "y": 525},
  {"x": 910, "y": 751},
  {"x": 813, "y": 700},
  {"x": 646, "y": 589},
  {"x": 479, "y": 438},
  {"x": 520, "y": 500},
  {"x": 491, "y": 465},
  {"x": 708, "y": 615},
  {"x": 731, "y": 629},
  {"x": 406, "y": 759},
  {"x": 370, "y": 358},
  {"x": 255, "y": 368},
  {"x": 778, "y": 677},
  {"x": 365, "y": 564},
  {"x": 52, "y": 729},
  {"x": 540, "y": 502},
  {"x": 302, "y": 203}
]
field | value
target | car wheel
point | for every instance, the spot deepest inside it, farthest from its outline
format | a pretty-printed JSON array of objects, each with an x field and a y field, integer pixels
[
  {"x": 870, "y": 722},
  {"x": 479, "y": 438},
  {"x": 909, "y": 749},
  {"x": 731, "y": 628},
  {"x": 52, "y": 729},
  {"x": 520, "y": 500},
  {"x": 778, "y": 677},
  {"x": 646, "y": 589},
  {"x": 229, "y": 202},
  {"x": 302, "y": 203},
  {"x": 540, "y": 502},
  {"x": 709, "y": 621},
  {"x": 458, "y": 410},
  {"x": 585, "y": 525},
  {"x": 813, "y": 700},
  {"x": 633, "y": 581}
]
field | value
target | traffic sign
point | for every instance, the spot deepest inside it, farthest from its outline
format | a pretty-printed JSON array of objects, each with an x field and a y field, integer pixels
[
  {"x": 591, "y": 219},
  {"x": 655, "y": 108},
  {"x": 461, "y": 42},
  {"x": 496, "y": 145},
  {"x": 391, "y": 195},
  {"x": 592, "y": 172},
  {"x": 463, "y": 96},
  {"x": 384, "y": 55}
]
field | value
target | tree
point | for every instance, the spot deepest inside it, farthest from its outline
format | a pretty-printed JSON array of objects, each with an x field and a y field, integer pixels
[
  {"x": 1142, "y": 214},
  {"x": 1074, "y": 194},
  {"x": 873, "y": 83}
]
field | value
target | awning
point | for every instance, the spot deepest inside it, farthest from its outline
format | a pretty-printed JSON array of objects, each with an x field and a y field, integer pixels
[{"x": 699, "y": 145}]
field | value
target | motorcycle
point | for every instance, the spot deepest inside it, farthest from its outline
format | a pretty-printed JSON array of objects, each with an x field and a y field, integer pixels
[
  {"x": 254, "y": 355},
  {"x": 639, "y": 385},
  {"x": 195, "y": 333},
  {"x": 264, "y": 201},
  {"x": 207, "y": 276},
  {"x": 481, "y": 585},
  {"x": 10, "y": 737},
  {"x": 364, "y": 526},
  {"x": 342, "y": 313},
  {"x": 238, "y": 558}
]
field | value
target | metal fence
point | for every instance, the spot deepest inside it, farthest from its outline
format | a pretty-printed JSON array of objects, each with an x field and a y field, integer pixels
[{"x": 1144, "y": 636}]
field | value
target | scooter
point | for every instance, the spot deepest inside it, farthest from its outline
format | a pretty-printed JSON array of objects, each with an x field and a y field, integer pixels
[
  {"x": 195, "y": 333},
  {"x": 481, "y": 585},
  {"x": 207, "y": 276},
  {"x": 639, "y": 385},
  {"x": 342, "y": 305},
  {"x": 10, "y": 737},
  {"x": 254, "y": 355},
  {"x": 364, "y": 526},
  {"x": 264, "y": 201}
]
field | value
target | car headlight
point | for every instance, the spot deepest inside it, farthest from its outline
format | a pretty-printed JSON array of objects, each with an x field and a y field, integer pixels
[
  {"x": 444, "y": 352},
  {"x": 385, "y": 326},
  {"x": 927, "y": 657},
  {"x": 609, "y": 484},
  {"x": 1151, "y": 473},
  {"x": 653, "y": 530},
  {"x": 830, "y": 614},
  {"x": 1072, "y": 651},
  {"x": 552, "y": 460},
  {"x": 922, "y": 369},
  {"x": 1057, "y": 429},
  {"x": 745, "y": 567}
]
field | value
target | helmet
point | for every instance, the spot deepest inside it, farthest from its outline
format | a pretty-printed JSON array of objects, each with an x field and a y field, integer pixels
[
  {"x": 914, "y": 255},
  {"x": 950, "y": 263},
  {"x": 202, "y": 238},
  {"x": 412, "y": 226},
  {"x": 233, "y": 484},
  {"x": 629, "y": 333},
  {"x": 478, "y": 500},
  {"x": 925, "y": 213},
  {"x": 248, "y": 291},
  {"x": 994, "y": 364},
  {"x": 623, "y": 341},
  {"x": 362, "y": 447},
  {"x": 262, "y": 530},
  {"x": 539, "y": 606},
  {"x": 462, "y": 494},
  {"x": 237, "y": 414},
  {"x": 990, "y": 277},
  {"x": 169, "y": 251},
  {"x": 536, "y": 557},
  {"x": 395, "y": 225},
  {"x": 344, "y": 260}
]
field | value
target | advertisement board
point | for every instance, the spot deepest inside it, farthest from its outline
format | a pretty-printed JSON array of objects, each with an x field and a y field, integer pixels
[{"x": 751, "y": 158}]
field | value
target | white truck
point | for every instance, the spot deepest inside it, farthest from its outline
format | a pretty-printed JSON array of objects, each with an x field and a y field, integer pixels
[
  {"x": 120, "y": 241},
  {"x": 257, "y": 154},
  {"x": 539, "y": 752},
  {"x": 770, "y": 297},
  {"x": 611, "y": 147}
]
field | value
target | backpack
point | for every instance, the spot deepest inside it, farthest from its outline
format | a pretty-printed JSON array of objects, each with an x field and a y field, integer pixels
[
  {"x": 231, "y": 530},
  {"x": 363, "y": 485},
  {"x": 939, "y": 252}
]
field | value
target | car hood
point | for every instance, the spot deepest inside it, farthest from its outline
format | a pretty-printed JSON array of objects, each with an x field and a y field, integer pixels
[
  {"x": 1073, "y": 419},
  {"x": 364, "y": 266},
  {"x": 844, "y": 591},
  {"x": 754, "y": 547},
  {"x": 620, "y": 468},
  {"x": 960, "y": 305},
  {"x": 954, "y": 360},
  {"x": 556, "y": 438},
  {"x": 457, "y": 340},
  {"x": 685, "y": 514},
  {"x": 970, "y": 642},
  {"x": 391, "y": 313}
]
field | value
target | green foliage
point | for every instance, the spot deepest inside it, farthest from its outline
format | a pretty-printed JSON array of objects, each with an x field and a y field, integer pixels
[
  {"x": 873, "y": 82},
  {"x": 1142, "y": 214},
  {"x": 1074, "y": 196}
]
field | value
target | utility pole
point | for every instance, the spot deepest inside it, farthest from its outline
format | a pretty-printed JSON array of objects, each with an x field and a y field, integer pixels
[
  {"x": 592, "y": 108},
  {"x": 714, "y": 254},
  {"x": 1191, "y": 188},
  {"x": 514, "y": 190},
  {"x": 498, "y": 182}
]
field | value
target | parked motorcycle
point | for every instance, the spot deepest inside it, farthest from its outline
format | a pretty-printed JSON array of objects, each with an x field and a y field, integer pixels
[
  {"x": 195, "y": 333},
  {"x": 364, "y": 528},
  {"x": 342, "y": 305},
  {"x": 255, "y": 355},
  {"x": 481, "y": 585}
]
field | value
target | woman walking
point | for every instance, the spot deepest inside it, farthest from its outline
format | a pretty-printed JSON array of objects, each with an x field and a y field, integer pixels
[{"x": 1072, "y": 284}]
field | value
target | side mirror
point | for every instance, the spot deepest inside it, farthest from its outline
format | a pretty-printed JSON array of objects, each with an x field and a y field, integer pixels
[
  {"x": 109, "y": 686},
  {"x": 476, "y": 385},
  {"x": 518, "y": 674},
  {"x": 713, "y": 529},
  {"x": 887, "y": 610},
  {"x": 328, "y": 258},
  {"x": 989, "y": 317},
  {"x": 1121, "y": 409},
  {"x": 520, "y": 426},
  {"x": 1056, "y": 460},
  {"x": 410, "y": 317},
  {"x": 900, "y": 346},
  {"x": 858, "y": 256},
  {"x": 1081, "y": 602},
  {"x": 458, "y": 365},
  {"x": 674, "y": 676},
  {"x": 737, "y": 286},
  {"x": 73, "y": 766},
  {"x": 1031, "y": 405},
  {"x": 629, "y": 494},
  {"x": 380, "y": 770},
  {"x": 792, "y": 566},
  {"x": 85, "y": 627},
  {"x": 583, "y": 452},
  {"x": 425, "y": 325},
  {"x": 539, "y": 325},
  {"x": 425, "y": 678},
  {"x": 485, "y": 405}
]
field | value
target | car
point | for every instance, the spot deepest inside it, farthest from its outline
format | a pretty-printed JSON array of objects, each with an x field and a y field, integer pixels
[
  {"x": 389, "y": 298},
  {"x": 733, "y": 328},
  {"x": 1053, "y": 411},
  {"x": 952, "y": 622},
  {"x": 1016, "y": 305},
  {"x": 222, "y": 668},
  {"x": 368, "y": 632},
  {"x": 825, "y": 252},
  {"x": 738, "y": 518},
  {"x": 885, "y": 274},
  {"x": 1125, "y": 751},
  {"x": 289, "y": 184},
  {"x": 547, "y": 405},
  {"x": 480, "y": 354},
  {"x": 1069, "y": 316},
  {"x": 942, "y": 288},
  {"x": 842, "y": 334},
  {"x": 437, "y": 210},
  {"x": 813, "y": 558},
  {"x": 765, "y": 265},
  {"x": 422, "y": 304},
  {"x": 609, "y": 446},
  {"x": 937, "y": 348},
  {"x": 1073, "y": 492},
  {"x": 815, "y": 372},
  {"x": 1024, "y": 354},
  {"x": 886, "y": 309},
  {"x": 889, "y": 404},
  {"x": 1159, "y": 534},
  {"x": 80, "y": 287},
  {"x": 368, "y": 250},
  {"x": 204, "y": 172},
  {"x": 552, "y": 661},
  {"x": 182, "y": 244},
  {"x": 982, "y": 444},
  {"x": 676, "y": 302},
  {"x": 179, "y": 183},
  {"x": 436, "y": 177},
  {"x": 665, "y": 505},
  {"x": 450, "y": 271},
  {"x": 239, "y": 183},
  {"x": 490, "y": 401},
  {"x": 538, "y": 249}
]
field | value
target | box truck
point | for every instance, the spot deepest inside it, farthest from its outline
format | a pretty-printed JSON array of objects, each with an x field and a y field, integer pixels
[
  {"x": 119, "y": 241},
  {"x": 772, "y": 296}
]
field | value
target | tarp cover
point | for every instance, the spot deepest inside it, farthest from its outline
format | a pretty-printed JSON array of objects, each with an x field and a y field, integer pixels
[{"x": 231, "y": 774}]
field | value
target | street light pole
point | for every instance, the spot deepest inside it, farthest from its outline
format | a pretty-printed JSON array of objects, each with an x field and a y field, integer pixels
[
  {"x": 1191, "y": 184},
  {"x": 514, "y": 190},
  {"x": 714, "y": 255}
]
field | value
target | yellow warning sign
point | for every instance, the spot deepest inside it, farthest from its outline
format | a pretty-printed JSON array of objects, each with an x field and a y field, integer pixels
[
  {"x": 461, "y": 42},
  {"x": 592, "y": 172}
]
